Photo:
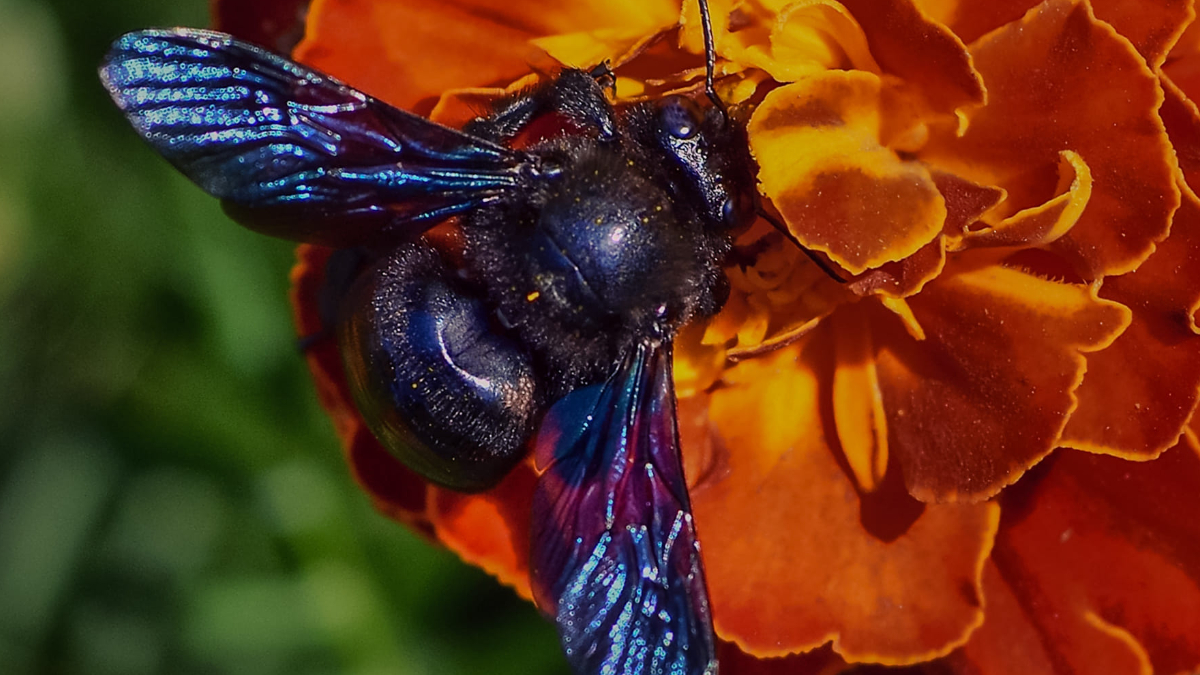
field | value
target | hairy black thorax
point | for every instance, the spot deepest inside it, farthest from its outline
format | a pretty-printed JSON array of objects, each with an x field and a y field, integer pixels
[{"x": 621, "y": 241}]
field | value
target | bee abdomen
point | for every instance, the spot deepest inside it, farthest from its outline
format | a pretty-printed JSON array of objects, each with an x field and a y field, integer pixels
[{"x": 443, "y": 391}]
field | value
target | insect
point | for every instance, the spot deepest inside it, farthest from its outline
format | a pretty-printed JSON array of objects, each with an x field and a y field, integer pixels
[{"x": 589, "y": 236}]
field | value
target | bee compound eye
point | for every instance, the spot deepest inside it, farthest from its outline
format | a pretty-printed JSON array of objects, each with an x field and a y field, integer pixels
[
  {"x": 729, "y": 212},
  {"x": 737, "y": 210},
  {"x": 679, "y": 117},
  {"x": 442, "y": 392}
]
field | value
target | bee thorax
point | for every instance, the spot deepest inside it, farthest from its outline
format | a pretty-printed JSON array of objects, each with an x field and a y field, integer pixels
[{"x": 596, "y": 261}]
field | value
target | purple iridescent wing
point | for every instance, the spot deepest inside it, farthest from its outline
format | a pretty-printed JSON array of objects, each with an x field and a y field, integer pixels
[
  {"x": 294, "y": 153},
  {"x": 615, "y": 557}
]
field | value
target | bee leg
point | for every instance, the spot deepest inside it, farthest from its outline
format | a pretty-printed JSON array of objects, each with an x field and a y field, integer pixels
[
  {"x": 576, "y": 95},
  {"x": 603, "y": 74}
]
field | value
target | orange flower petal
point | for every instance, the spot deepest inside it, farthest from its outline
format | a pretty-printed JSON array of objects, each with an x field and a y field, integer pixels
[
  {"x": 1009, "y": 642},
  {"x": 986, "y": 394},
  {"x": 459, "y": 106},
  {"x": 840, "y": 191},
  {"x": 697, "y": 365},
  {"x": 395, "y": 490},
  {"x": 821, "y": 661},
  {"x": 857, "y": 402},
  {"x": 1006, "y": 642},
  {"x": 900, "y": 279},
  {"x": 901, "y": 309},
  {"x": 456, "y": 107},
  {"x": 802, "y": 30},
  {"x": 407, "y": 52},
  {"x": 1182, "y": 120},
  {"x": 275, "y": 24},
  {"x": 1152, "y": 25},
  {"x": 780, "y": 297},
  {"x": 588, "y": 48},
  {"x": 691, "y": 35},
  {"x": 1185, "y": 70},
  {"x": 724, "y": 327},
  {"x": 966, "y": 202},
  {"x": 1047, "y": 222},
  {"x": 794, "y": 559},
  {"x": 970, "y": 19},
  {"x": 802, "y": 39},
  {"x": 1188, "y": 43},
  {"x": 1139, "y": 392},
  {"x": 909, "y": 44},
  {"x": 770, "y": 328},
  {"x": 1060, "y": 80},
  {"x": 1102, "y": 557},
  {"x": 491, "y": 529},
  {"x": 307, "y": 280},
  {"x": 700, "y": 458}
]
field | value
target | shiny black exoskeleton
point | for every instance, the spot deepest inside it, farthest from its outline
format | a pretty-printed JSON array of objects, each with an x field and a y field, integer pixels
[{"x": 617, "y": 238}]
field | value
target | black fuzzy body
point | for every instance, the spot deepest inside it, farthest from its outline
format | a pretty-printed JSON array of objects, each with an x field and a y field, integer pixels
[
  {"x": 613, "y": 238},
  {"x": 597, "y": 259},
  {"x": 616, "y": 244}
]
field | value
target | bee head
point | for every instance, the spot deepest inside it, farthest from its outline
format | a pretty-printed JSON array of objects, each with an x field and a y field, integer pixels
[{"x": 709, "y": 153}]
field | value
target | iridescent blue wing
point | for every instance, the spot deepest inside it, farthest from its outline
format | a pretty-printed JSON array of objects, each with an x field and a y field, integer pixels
[
  {"x": 615, "y": 557},
  {"x": 295, "y": 153}
]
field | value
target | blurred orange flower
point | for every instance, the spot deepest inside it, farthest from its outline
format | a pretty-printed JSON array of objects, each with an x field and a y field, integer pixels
[{"x": 1008, "y": 189}]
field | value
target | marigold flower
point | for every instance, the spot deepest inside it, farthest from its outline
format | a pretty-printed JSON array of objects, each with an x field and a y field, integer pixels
[{"x": 977, "y": 453}]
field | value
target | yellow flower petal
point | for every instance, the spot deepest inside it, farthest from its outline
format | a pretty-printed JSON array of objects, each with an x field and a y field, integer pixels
[{"x": 838, "y": 188}]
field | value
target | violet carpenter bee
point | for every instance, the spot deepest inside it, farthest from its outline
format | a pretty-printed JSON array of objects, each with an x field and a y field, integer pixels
[{"x": 584, "y": 249}]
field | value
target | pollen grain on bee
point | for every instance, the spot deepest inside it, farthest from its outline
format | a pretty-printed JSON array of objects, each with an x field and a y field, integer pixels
[{"x": 533, "y": 296}]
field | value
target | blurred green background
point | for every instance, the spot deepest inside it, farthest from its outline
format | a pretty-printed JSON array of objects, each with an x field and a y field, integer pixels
[{"x": 172, "y": 499}]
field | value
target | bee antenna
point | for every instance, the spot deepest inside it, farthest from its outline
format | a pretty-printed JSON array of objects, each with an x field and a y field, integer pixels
[{"x": 710, "y": 60}]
